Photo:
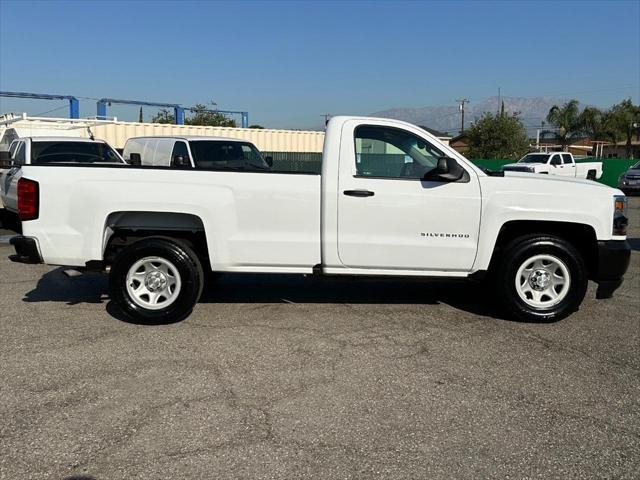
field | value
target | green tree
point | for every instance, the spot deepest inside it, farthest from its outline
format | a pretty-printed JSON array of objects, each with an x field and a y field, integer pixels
[
  {"x": 623, "y": 120},
  {"x": 567, "y": 121},
  {"x": 163, "y": 116},
  {"x": 256, "y": 126},
  {"x": 497, "y": 136},
  {"x": 199, "y": 114}
]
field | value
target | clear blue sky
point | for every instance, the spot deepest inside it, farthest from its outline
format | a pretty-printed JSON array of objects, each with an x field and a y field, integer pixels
[{"x": 289, "y": 62}]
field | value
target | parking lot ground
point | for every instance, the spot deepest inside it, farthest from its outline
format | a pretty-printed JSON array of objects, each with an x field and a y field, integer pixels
[{"x": 287, "y": 377}]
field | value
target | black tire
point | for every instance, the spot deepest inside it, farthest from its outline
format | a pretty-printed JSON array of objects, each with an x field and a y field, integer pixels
[
  {"x": 519, "y": 251},
  {"x": 185, "y": 261},
  {"x": 591, "y": 175}
]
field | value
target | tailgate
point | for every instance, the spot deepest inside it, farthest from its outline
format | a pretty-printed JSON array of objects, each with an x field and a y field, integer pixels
[{"x": 10, "y": 188}]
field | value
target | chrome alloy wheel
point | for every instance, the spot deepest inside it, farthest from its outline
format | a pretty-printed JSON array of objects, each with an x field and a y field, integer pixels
[
  {"x": 153, "y": 283},
  {"x": 543, "y": 281}
]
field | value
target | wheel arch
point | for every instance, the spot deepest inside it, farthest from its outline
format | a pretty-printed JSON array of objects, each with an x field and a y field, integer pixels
[
  {"x": 580, "y": 235},
  {"x": 123, "y": 228}
]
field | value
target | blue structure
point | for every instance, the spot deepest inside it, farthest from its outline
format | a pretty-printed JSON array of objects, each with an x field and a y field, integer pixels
[
  {"x": 101, "y": 112},
  {"x": 74, "y": 104},
  {"x": 178, "y": 111}
]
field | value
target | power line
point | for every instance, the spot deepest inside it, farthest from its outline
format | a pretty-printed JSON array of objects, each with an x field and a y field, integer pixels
[{"x": 49, "y": 111}]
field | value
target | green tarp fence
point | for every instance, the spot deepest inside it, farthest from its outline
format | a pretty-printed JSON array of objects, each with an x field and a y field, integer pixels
[
  {"x": 612, "y": 168},
  {"x": 311, "y": 162}
]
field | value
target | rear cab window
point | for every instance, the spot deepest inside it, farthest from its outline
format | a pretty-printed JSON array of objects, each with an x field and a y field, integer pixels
[
  {"x": 43, "y": 153},
  {"x": 566, "y": 158}
]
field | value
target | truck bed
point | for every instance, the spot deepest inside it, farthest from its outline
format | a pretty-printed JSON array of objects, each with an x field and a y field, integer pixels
[{"x": 250, "y": 219}]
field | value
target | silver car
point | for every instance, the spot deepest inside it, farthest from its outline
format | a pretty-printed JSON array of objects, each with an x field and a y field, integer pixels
[{"x": 629, "y": 181}]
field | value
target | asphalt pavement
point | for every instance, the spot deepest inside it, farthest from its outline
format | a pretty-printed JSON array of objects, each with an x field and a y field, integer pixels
[{"x": 291, "y": 377}]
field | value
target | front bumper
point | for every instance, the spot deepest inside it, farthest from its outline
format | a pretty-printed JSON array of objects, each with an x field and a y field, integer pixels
[
  {"x": 26, "y": 250},
  {"x": 613, "y": 261},
  {"x": 629, "y": 188}
]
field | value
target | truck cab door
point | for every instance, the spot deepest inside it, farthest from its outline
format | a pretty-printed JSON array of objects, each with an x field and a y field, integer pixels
[
  {"x": 389, "y": 217},
  {"x": 569, "y": 167},
  {"x": 555, "y": 162}
]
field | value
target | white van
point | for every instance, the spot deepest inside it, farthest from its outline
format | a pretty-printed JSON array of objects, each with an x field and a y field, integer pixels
[{"x": 205, "y": 153}]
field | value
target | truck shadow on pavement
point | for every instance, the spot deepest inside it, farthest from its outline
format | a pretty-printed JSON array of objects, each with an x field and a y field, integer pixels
[
  {"x": 467, "y": 296},
  {"x": 54, "y": 286},
  {"x": 634, "y": 243}
]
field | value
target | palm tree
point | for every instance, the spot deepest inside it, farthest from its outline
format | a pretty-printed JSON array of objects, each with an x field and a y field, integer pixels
[{"x": 566, "y": 121}]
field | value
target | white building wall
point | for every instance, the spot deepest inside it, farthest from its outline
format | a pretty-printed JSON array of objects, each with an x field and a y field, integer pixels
[{"x": 116, "y": 133}]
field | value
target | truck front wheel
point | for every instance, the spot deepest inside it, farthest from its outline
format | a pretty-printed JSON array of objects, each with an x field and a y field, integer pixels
[
  {"x": 541, "y": 278},
  {"x": 156, "y": 280}
]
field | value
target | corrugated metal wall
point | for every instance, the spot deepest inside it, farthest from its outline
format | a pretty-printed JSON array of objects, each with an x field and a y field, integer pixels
[
  {"x": 117, "y": 133},
  {"x": 271, "y": 140}
]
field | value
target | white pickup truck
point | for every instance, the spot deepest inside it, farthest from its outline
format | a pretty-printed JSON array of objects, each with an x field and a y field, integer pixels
[
  {"x": 391, "y": 200},
  {"x": 48, "y": 151},
  {"x": 556, "y": 164}
]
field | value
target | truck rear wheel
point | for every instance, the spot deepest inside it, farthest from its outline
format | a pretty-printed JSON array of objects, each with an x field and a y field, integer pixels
[
  {"x": 156, "y": 280},
  {"x": 541, "y": 278}
]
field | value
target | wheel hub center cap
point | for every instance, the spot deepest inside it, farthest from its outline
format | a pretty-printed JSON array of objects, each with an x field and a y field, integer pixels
[
  {"x": 155, "y": 281},
  {"x": 539, "y": 279}
]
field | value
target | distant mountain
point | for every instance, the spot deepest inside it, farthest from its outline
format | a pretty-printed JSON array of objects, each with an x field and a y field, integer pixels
[{"x": 447, "y": 118}]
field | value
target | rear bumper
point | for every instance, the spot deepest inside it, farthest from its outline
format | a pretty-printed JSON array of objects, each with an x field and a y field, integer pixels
[
  {"x": 26, "y": 250},
  {"x": 613, "y": 261}
]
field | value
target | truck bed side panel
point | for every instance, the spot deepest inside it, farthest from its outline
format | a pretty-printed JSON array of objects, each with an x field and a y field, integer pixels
[{"x": 252, "y": 221}]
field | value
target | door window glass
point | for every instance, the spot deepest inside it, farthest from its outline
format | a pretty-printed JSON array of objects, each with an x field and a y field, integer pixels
[
  {"x": 393, "y": 153},
  {"x": 19, "y": 157},
  {"x": 555, "y": 160},
  {"x": 226, "y": 155},
  {"x": 180, "y": 148},
  {"x": 566, "y": 158}
]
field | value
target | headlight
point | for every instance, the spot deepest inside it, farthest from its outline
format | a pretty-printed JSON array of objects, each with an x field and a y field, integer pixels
[{"x": 620, "y": 220}]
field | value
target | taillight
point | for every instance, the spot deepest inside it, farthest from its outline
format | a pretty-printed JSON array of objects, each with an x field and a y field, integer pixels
[{"x": 27, "y": 199}]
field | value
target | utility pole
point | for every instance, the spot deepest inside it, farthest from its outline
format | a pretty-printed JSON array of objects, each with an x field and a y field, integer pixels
[
  {"x": 326, "y": 116},
  {"x": 462, "y": 101}
]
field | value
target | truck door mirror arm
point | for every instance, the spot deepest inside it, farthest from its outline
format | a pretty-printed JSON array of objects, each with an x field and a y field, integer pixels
[
  {"x": 181, "y": 161},
  {"x": 135, "y": 159},
  {"x": 447, "y": 170}
]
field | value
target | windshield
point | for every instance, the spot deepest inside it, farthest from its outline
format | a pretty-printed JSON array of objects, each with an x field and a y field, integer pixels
[
  {"x": 636, "y": 166},
  {"x": 226, "y": 155},
  {"x": 72, "y": 152},
  {"x": 535, "y": 158}
]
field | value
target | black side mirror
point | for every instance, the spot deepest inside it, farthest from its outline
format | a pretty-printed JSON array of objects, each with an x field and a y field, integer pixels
[
  {"x": 135, "y": 159},
  {"x": 181, "y": 161},
  {"x": 447, "y": 170},
  {"x": 5, "y": 159},
  {"x": 269, "y": 161}
]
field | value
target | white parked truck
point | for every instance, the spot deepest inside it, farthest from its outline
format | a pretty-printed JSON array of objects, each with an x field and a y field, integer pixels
[
  {"x": 559, "y": 163},
  {"x": 48, "y": 151},
  {"x": 391, "y": 200}
]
